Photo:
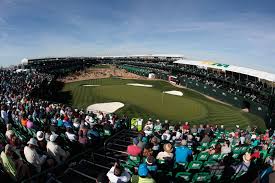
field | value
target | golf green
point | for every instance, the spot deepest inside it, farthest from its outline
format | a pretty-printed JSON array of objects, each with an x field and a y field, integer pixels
[{"x": 145, "y": 102}]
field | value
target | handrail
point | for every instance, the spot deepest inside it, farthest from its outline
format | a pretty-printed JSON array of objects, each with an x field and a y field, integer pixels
[{"x": 111, "y": 138}]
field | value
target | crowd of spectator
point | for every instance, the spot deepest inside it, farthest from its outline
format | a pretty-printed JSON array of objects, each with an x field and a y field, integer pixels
[
  {"x": 36, "y": 135},
  {"x": 241, "y": 85},
  {"x": 204, "y": 153}
]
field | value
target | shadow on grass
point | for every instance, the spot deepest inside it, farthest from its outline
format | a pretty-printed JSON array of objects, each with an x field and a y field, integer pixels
[{"x": 57, "y": 95}]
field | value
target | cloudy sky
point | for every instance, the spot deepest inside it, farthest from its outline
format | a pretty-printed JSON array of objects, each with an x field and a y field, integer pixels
[{"x": 227, "y": 31}]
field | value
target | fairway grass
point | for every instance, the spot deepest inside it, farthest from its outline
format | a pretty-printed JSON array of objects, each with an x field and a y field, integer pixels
[{"x": 147, "y": 102}]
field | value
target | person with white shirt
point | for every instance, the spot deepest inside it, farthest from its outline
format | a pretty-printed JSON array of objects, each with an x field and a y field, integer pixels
[
  {"x": 117, "y": 174},
  {"x": 32, "y": 156},
  {"x": 4, "y": 115},
  {"x": 71, "y": 136},
  {"x": 167, "y": 153},
  {"x": 9, "y": 132},
  {"x": 55, "y": 151}
]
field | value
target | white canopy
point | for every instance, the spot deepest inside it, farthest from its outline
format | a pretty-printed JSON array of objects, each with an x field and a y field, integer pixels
[{"x": 226, "y": 67}]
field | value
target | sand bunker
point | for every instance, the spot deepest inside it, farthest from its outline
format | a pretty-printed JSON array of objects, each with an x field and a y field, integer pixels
[
  {"x": 90, "y": 85},
  {"x": 173, "y": 92},
  {"x": 109, "y": 107},
  {"x": 142, "y": 85}
]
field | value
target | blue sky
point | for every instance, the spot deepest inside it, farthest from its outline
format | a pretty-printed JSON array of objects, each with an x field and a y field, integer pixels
[{"x": 228, "y": 31}]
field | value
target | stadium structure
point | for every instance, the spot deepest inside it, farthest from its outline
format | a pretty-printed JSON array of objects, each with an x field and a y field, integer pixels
[{"x": 245, "y": 88}]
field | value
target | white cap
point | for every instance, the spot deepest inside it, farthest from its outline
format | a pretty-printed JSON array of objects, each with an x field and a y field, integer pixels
[
  {"x": 40, "y": 135},
  {"x": 32, "y": 141},
  {"x": 53, "y": 137}
]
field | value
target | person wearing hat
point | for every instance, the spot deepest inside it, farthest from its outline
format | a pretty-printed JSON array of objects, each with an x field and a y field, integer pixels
[
  {"x": 134, "y": 150},
  {"x": 167, "y": 153},
  {"x": 55, "y": 150},
  {"x": 32, "y": 156},
  {"x": 182, "y": 152},
  {"x": 40, "y": 136},
  {"x": 118, "y": 174},
  {"x": 143, "y": 175}
]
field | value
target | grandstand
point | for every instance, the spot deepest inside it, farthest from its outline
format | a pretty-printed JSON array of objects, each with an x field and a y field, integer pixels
[{"x": 48, "y": 141}]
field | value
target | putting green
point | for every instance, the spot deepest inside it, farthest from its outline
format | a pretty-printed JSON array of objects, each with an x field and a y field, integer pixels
[{"x": 148, "y": 102}]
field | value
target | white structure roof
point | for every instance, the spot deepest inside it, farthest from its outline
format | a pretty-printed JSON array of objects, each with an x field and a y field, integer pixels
[{"x": 226, "y": 67}]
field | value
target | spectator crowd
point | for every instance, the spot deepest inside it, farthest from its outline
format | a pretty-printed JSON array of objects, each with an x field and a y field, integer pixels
[
  {"x": 36, "y": 135},
  {"x": 163, "y": 152}
]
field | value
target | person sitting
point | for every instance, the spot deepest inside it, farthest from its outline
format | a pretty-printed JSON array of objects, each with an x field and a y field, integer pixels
[
  {"x": 166, "y": 136},
  {"x": 41, "y": 141},
  {"x": 29, "y": 123},
  {"x": 148, "y": 128},
  {"x": 13, "y": 165},
  {"x": 82, "y": 139},
  {"x": 24, "y": 120},
  {"x": 214, "y": 150},
  {"x": 32, "y": 156},
  {"x": 167, "y": 153},
  {"x": 147, "y": 151},
  {"x": 143, "y": 175},
  {"x": 134, "y": 150},
  {"x": 256, "y": 153},
  {"x": 9, "y": 133},
  {"x": 182, "y": 152},
  {"x": 226, "y": 149},
  {"x": 151, "y": 165},
  {"x": 70, "y": 135},
  {"x": 55, "y": 150},
  {"x": 243, "y": 166},
  {"x": 206, "y": 139},
  {"x": 117, "y": 174}
]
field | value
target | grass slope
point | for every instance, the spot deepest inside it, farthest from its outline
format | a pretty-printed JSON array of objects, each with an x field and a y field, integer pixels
[{"x": 151, "y": 102}]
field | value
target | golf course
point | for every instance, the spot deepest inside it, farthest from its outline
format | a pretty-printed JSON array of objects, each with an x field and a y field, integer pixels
[{"x": 151, "y": 101}]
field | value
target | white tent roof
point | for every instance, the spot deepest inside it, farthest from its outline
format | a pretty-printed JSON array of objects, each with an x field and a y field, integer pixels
[{"x": 226, "y": 67}]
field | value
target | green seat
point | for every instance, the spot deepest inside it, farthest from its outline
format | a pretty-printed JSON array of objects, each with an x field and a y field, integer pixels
[
  {"x": 222, "y": 156},
  {"x": 209, "y": 163},
  {"x": 244, "y": 149},
  {"x": 236, "y": 154},
  {"x": 200, "y": 148},
  {"x": 205, "y": 144},
  {"x": 161, "y": 162},
  {"x": 195, "y": 165},
  {"x": 184, "y": 165},
  {"x": 202, "y": 177},
  {"x": 107, "y": 133},
  {"x": 211, "y": 144},
  {"x": 183, "y": 176},
  {"x": 203, "y": 156},
  {"x": 263, "y": 154},
  {"x": 214, "y": 157}
]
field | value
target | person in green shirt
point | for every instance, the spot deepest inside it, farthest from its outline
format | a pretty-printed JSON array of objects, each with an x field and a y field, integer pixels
[
  {"x": 7, "y": 161},
  {"x": 143, "y": 175}
]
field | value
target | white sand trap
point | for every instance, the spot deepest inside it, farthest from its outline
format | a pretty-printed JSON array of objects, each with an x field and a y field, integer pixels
[
  {"x": 105, "y": 107},
  {"x": 137, "y": 84},
  {"x": 173, "y": 92},
  {"x": 90, "y": 85}
]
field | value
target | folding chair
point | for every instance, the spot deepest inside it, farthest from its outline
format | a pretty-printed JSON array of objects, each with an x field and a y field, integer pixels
[
  {"x": 202, "y": 177},
  {"x": 214, "y": 157},
  {"x": 203, "y": 156},
  {"x": 183, "y": 176},
  {"x": 195, "y": 165}
]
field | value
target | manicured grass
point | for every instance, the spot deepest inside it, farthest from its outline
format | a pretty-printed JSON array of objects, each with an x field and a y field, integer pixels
[{"x": 151, "y": 102}]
